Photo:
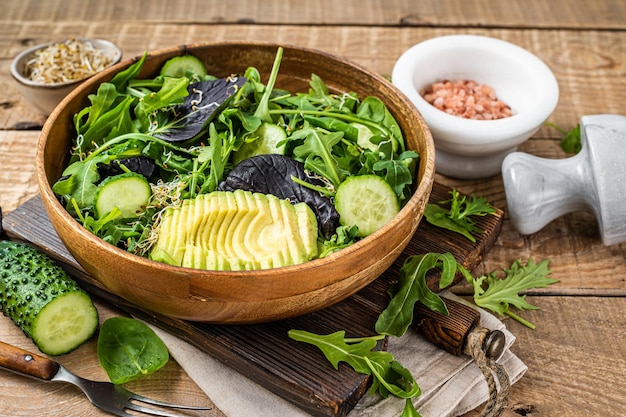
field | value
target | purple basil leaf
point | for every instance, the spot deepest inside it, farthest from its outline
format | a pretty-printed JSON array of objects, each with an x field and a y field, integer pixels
[
  {"x": 271, "y": 174},
  {"x": 205, "y": 100}
]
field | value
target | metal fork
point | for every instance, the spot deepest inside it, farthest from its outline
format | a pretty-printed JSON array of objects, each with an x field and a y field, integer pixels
[{"x": 104, "y": 395}]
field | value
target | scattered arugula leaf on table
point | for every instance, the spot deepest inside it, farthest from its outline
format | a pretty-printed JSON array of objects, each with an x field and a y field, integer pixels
[
  {"x": 500, "y": 293},
  {"x": 571, "y": 141},
  {"x": 458, "y": 217}
]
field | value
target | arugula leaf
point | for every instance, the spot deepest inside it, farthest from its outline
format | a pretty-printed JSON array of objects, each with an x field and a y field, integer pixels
[
  {"x": 79, "y": 179},
  {"x": 411, "y": 288},
  {"x": 320, "y": 98},
  {"x": 501, "y": 293},
  {"x": 262, "y": 110},
  {"x": 458, "y": 217},
  {"x": 317, "y": 153},
  {"x": 114, "y": 122},
  {"x": 336, "y": 349},
  {"x": 344, "y": 236},
  {"x": 372, "y": 108},
  {"x": 101, "y": 102},
  {"x": 122, "y": 78},
  {"x": 571, "y": 141},
  {"x": 172, "y": 91},
  {"x": 397, "y": 173},
  {"x": 128, "y": 349},
  {"x": 390, "y": 377}
]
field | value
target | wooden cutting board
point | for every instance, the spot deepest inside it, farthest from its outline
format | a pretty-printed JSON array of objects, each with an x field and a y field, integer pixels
[{"x": 295, "y": 371}]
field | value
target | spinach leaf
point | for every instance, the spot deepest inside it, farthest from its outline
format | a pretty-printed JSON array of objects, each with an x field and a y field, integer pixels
[{"x": 128, "y": 349}]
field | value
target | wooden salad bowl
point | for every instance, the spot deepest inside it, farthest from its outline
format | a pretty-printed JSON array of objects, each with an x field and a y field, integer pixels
[{"x": 232, "y": 297}]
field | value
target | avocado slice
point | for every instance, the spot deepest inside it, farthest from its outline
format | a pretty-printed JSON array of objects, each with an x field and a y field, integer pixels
[{"x": 238, "y": 230}]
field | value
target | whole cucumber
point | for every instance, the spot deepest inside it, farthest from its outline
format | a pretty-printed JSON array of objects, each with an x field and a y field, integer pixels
[{"x": 42, "y": 299}]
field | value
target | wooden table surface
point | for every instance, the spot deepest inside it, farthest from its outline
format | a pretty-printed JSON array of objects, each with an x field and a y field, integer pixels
[{"x": 576, "y": 355}]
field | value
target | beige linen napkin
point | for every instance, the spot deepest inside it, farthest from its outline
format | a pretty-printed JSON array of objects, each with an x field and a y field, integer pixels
[{"x": 451, "y": 385}]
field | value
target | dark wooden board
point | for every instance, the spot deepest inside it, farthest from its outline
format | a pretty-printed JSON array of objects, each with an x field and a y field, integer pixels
[{"x": 297, "y": 372}]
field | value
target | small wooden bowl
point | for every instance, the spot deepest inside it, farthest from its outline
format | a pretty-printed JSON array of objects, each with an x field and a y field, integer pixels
[{"x": 241, "y": 296}]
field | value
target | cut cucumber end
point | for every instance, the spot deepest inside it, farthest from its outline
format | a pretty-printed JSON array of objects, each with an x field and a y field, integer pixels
[
  {"x": 366, "y": 201},
  {"x": 65, "y": 323}
]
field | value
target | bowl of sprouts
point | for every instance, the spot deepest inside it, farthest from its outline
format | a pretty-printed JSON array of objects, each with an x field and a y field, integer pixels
[
  {"x": 235, "y": 182},
  {"x": 46, "y": 73}
]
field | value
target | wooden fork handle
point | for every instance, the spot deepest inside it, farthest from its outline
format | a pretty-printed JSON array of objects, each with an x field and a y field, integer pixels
[{"x": 26, "y": 363}]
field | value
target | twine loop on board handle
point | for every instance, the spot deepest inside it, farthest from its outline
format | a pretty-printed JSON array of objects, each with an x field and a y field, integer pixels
[{"x": 480, "y": 347}]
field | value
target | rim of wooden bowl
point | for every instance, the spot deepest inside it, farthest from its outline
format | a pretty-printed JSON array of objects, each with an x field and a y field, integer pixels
[{"x": 62, "y": 219}]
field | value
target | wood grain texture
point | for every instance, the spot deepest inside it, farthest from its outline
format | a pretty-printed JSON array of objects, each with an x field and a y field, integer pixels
[
  {"x": 446, "y": 331},
  {"x": 575, "y": 356},
  {"x": 487, "y": 13},
  {"x": 24, "y": 397},
  {"x": 568, "y": 375},
  {"x": 590, "y": 66}
]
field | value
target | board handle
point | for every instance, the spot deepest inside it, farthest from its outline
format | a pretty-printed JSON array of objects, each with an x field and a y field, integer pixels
[{"x": 451, "y": 332}]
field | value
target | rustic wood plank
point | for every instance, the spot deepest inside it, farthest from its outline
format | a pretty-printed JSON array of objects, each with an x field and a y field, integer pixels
[
  {"x": 567, "y": 375},
  {"x": 17, "y": 168},
  {"x": 486, "y": 13},
  {"x": 581, "y": 60}
]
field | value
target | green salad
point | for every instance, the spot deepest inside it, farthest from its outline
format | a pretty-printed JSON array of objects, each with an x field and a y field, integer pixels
[{"x": 194, "y": 170}]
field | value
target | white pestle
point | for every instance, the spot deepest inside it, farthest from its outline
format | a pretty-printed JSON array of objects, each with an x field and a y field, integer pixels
[{"x": 539, "y": 190}]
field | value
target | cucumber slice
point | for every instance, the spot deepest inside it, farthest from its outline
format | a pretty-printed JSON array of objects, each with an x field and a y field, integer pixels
[
  {"x": 179, "y": 66},
  {"x": 268, "y": 141},
  {"x": 65, "y": 323},
  {"x": 129, "y": 192},
  {"x": 366, "y": 201},
  {"x": 41, "y": 298}
]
